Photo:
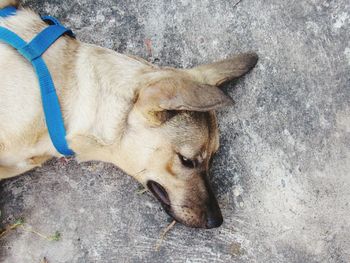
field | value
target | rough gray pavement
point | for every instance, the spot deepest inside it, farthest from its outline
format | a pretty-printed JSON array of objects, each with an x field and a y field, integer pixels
[{"x": 282, "y": 173}]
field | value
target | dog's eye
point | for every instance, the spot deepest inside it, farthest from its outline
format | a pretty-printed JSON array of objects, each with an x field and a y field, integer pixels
[{"x": 187, "y": 162}]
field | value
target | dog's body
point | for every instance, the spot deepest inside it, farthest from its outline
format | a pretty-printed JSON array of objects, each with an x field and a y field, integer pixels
[{"x": 118, "y": 109}]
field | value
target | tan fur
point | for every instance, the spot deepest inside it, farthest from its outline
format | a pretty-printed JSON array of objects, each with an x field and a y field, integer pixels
[
  {"x": 5, "y": 3},
  {"x": 117, "y": 109}
]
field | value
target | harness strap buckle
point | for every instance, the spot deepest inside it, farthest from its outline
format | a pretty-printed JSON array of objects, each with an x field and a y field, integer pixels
[{"x": 53, "y": 21}]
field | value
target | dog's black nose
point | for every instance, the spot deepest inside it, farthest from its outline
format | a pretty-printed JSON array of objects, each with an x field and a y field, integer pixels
[
  {"x": 213, "y": 212},
  {"x": 214, "y": 221}
]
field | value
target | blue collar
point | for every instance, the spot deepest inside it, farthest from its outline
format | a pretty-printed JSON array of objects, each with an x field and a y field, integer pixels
[{"x": 33, "y": 52}]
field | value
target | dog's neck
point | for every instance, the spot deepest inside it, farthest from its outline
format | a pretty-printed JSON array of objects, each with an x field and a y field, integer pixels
[{"x": 101, "y": 95}]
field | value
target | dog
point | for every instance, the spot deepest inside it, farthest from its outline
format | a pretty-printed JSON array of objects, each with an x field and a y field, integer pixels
[{"x": 157, "y": 124}]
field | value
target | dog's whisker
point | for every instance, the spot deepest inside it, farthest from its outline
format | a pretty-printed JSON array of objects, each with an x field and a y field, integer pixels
[
  {"x": 152, "y": 148},
  {"x": 140, "y": 172}
]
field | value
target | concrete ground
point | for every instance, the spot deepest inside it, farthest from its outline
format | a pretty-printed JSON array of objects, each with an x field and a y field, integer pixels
[{"x": 281, "y": 175}]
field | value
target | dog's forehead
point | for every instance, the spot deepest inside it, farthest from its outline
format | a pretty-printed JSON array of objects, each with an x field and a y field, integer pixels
[
  {"x": 187, "y": 124},
  {"x": 191, "y": 131}
]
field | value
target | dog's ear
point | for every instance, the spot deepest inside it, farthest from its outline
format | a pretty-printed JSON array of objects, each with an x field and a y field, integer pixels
[
  {"x": 175, "y": 94},
  {"x": 225, "y": 70}
]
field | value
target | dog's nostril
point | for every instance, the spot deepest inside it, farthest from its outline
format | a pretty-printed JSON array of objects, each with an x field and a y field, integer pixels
[
  {"x": 213, "y": 213},
  {"x": 159, "y": 192},
  {"x": 213, "y": 222}
]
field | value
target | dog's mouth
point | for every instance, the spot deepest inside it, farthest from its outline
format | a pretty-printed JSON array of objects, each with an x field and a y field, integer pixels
[{"x": 160, "y": 193}]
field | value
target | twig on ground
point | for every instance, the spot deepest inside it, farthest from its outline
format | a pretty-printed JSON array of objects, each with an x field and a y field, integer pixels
[
  {"x": 142, "y": 191},
  {"x": 55, "y": 237},
  {"x": 20, "y": 223},
  {"x": 162, "y": 236},
  {"x": 236, "y": 4}
]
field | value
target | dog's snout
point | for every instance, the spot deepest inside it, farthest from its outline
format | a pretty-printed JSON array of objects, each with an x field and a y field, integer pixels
[{"x": 198, "y": 208}]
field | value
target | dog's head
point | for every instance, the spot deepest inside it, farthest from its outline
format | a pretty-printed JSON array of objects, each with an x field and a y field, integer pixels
[{"x": 172, "y": 136}]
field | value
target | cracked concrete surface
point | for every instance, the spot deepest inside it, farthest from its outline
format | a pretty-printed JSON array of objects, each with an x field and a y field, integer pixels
[{"x": 281, "y": 175}]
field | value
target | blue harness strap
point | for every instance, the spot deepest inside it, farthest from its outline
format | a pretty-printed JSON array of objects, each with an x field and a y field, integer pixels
[
  {"x": 33, "y": 51},
  {"x": 7, "y": 11}
]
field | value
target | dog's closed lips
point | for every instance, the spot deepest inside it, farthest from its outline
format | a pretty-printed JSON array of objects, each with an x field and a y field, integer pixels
[{"x": 159, "y": 192}]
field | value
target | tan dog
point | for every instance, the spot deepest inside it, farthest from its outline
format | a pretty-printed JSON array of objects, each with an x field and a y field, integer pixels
[{"x": 157, "y": 124}]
